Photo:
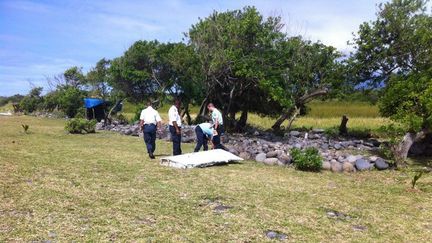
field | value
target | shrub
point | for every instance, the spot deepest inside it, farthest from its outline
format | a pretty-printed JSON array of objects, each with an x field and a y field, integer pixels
[
  {"x": 79, "y": 125},
  {"x": 25, "y": 127},
  {"x": 307, "y": 160}
]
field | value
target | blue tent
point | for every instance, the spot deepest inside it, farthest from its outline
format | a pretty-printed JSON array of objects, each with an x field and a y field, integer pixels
[{"x": 92, "y": 102}]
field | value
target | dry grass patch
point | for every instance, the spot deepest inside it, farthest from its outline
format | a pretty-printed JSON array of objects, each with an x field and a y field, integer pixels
[{"x": 101, "y": 187}]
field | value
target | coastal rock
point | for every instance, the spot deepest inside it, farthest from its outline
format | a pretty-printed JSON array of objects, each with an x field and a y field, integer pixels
[{"x": 260, "y": 157}]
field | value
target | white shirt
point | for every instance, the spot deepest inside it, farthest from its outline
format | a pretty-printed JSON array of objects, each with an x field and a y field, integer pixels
[
  {"x": 217, "y": 116},
  {"x": 174, "y": 116},
  {"x": 150, "y": 116}
]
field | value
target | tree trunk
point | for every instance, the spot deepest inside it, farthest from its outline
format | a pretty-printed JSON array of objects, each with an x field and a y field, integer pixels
[
  {"x": 300, "y": 102},
  {"x": 241, "y": 124},
  {"x": 186, "y": 113},
  {"x": 400, "y": 151},
  {"x": 276, "y": 126},
  {"x": 293, "y": 117},
  {"x": 343, "y": 126}
]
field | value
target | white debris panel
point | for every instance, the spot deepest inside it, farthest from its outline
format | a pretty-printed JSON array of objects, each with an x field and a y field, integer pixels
[{"x": 200, "y": 159}]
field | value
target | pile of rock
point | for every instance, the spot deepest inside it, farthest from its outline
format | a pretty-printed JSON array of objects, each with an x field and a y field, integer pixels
[
  {"x": 275, "y": 150},
  {"x": 188, "y": 132},
  {"x": 271, "y": 150}
]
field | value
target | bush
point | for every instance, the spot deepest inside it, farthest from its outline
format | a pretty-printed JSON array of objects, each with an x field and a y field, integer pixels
[
  {"x": 307, "y": 160},
  {"x": 78, "y": 125}
]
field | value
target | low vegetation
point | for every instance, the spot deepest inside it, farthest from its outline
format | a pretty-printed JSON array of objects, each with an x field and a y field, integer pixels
[
  {"x": 308, "y": 159},
  {"x": 80, "y": 125}
]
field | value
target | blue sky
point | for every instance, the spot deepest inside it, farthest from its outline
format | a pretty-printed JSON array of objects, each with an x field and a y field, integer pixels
[{"x": 40, "y": 39}]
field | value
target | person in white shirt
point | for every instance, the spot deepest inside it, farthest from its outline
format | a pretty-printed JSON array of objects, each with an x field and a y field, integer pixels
[
  {"x": 149, "y": 122},
  {"x": 217, "y": 120},
  {"x": 175, "y": 123}
]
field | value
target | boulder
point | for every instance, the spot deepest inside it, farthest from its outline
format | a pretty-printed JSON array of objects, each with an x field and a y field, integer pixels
[
  {"x": 318, "y": 130},
  {"x": 233, "y": 151},
  {"x": 348, "y": 167},
  {"x": 337, "y": 146},
  {"x": 281, "y": 163},
  {"x": 326, "y": 165},
  {"x": 362, "y": 164},
  {"x": 351, "y": 159},
  {"x": 381, "y": 164},
  {"x": 295, "y": 133},
  {"x": 336, "y": 167},
  {"x": 271, "y": 161},
  {"x": 245, "y": 155},
  {"x": 373, "y": 158},
  {"x": 285, "y": 158},
  {"x": 272, "y": 154},
  {"x": 260, "y": 157}
]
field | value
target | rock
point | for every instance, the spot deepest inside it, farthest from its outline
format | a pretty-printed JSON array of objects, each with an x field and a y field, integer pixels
[
  {"x": 245, "y": 155},
  {"x": 326, "y": 165},
  {"x": 336, "y": 167},
  {"x": 348, "y": 167},
  {"x": 324, "y": 146},
  {"x": 233, "y": 151},
  {"x": 285, "y": 158},
  {"x": 381, "y": 164},
  {"x": 373, "y": 158},
  {"x": 351, "y": 159},
  {"x": 295, "y": 133},
  {"x": 362, "y": 164},
  {"x": 318, "y": 130},
  {"x": 337, "y": 146},
  {"x": 274, "y": 235},
  {"x": 260, "y": 157},
  {"x": 298, "y": 146},
  {"x": 281, "y": 163},
  {"x": 272, "y": 154},
  {"x": 271, "y": 161}
]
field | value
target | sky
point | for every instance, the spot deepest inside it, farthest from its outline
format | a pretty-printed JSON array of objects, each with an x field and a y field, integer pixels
[{"x": 40, "y": 39}]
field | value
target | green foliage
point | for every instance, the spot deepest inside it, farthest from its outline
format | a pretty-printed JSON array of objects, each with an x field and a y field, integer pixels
[
  {"x": 25, "y": 127},
  {"x": 398, "y": 42},
  {"x": 332, "y": 132},
  {"x": 68, "y": 99},
  {"x": 408, "y": 100},
  {"x": 98, "y": 77},
  {"x": 308, "y": 159},
  {"x": 32, "y": 101},
  {"x": 415, "y": 178},
  {"x": 79, "y": 125},
  {"x": 137, "y": 113},
  {"x": 74, "y": 77}
]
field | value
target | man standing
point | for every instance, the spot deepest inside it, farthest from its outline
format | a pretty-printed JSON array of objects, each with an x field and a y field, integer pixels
[
  {"x": 217, "y": 119},
  {"x": 175, "y": 126},
  {"x": 204, "y": 133},
  {"x": 149, "y": 122}
]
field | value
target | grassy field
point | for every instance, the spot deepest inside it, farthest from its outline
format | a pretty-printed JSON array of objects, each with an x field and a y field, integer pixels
[
  {"x": 101, "y": 187},
  {"x": 363, "y": 116}
]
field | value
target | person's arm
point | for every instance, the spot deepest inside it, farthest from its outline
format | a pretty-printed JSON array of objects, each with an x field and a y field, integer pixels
[
  {"x": 141, "y": 124},
  {"x": 177, "y": 128},
  {"x": 216, "y": 121}
]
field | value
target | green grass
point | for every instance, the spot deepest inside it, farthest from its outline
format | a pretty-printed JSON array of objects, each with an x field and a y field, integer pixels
[{"x": 101, "y": 187}]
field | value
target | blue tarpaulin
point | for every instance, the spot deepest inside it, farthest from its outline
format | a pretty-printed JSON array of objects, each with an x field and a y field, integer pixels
[{"x": 92, "y": 102}]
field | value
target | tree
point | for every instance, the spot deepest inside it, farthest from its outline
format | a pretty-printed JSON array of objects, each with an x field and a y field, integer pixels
[
  {"x": 98, "y": 78},
  {"x": 74, "y": 77},
  {"x": 232, "y": 47},
  {"x": 302, "y": 71},
  {"x": 395, "y": 51},
  {"x": 141, "y": 72},
  {"x": 32, "y": 101}
]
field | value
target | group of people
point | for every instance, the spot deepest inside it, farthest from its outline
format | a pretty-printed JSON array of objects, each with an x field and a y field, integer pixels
[{"x": 208, "y": 132}]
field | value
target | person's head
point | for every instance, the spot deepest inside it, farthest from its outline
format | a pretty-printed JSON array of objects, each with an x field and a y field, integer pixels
[
  {"x": 149, "y": 102},
  {"x": 177, "y": 103},
  {"x": 210, "y": 107}
]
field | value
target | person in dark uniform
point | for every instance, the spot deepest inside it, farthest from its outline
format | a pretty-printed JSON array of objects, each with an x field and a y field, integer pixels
[{"x": 150, "y": 121}]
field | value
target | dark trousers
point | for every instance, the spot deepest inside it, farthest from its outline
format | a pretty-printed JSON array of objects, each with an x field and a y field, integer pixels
[
  {"x": 217, "y": 139},
  {"x": 201, "y": 139},
  {"x": 149, "y": 131},
  {"x": 176, "y": 140}
]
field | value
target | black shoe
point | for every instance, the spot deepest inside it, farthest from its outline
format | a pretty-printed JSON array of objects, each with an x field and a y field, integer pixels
[{"x": 151, "y": 156}]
